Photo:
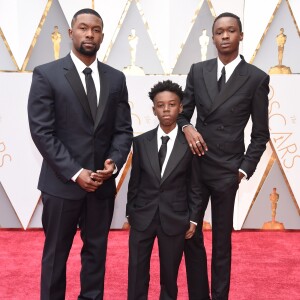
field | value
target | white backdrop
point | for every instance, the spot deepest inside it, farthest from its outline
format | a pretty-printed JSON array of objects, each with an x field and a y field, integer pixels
[{"x": 171, "y": 28}]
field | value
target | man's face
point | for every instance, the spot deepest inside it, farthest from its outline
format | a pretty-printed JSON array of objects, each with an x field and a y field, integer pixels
[
  {"x": 227, "y": 36},
  {"x": 166, "y": 107},
  {"x": 86, "y": 34}
]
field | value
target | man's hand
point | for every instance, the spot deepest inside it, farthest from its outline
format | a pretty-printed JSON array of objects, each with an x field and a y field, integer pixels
[
  {"x": 106, "y": 173},
  {"x": 86, "y": 182},
  {"x": 195, "y": 140},
  {"x": 241, "y": 176},
  {"x": 189, "y": 234}
]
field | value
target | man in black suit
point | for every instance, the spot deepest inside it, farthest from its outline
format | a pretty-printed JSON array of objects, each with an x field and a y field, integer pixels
[
  {"x": 80, "y": 121},
  {"x": 224, "y": 101},
  {"x": 163, "y": 201}
]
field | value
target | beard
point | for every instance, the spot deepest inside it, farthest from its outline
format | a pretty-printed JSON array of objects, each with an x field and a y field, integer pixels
[{"x": 90, "y": 52}]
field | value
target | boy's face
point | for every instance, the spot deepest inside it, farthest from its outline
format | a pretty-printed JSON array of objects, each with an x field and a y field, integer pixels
[
  {"x": 166, "y": 107},
  {"x": 227, "y": 36}
]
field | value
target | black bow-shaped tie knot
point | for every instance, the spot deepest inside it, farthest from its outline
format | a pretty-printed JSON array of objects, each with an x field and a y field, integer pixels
[
  {"x": 163, "y": 150},
  {"x": 222, "y": 80},
  {"x": 91, "y": 91}
]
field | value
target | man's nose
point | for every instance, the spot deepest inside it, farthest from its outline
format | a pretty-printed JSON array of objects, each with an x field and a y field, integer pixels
[
  {"x": 225, "y": 35},
  {"x": 90, "y": 32}
]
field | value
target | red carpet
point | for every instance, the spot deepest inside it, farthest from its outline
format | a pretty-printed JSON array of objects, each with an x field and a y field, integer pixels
[{"x": 265, "y": 266}]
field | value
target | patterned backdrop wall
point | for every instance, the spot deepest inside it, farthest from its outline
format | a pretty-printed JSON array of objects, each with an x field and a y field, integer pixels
[{"x": 152, "y": 40}]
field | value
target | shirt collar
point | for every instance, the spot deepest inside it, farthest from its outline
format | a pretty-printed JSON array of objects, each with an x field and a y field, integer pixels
[
  {"x": 172, "y": 134},
  {"x": 229, "y": 68},
  {"x": 80, "y": 66}
]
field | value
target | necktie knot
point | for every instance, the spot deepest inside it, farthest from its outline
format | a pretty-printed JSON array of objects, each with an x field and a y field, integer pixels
[
  {"x": 87, "y": 71},
  {"x": 164, "y": 139}
]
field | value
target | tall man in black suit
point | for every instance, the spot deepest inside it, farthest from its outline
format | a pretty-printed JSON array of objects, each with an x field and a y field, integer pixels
[
  {"x": 80, "y": 121},
  {"x": 224, "y": 101},
  {"x": 163, "y": 200}
]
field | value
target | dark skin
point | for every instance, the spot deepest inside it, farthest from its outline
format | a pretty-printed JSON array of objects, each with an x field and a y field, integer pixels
[
  {"x": 226, "y": 38},
  {"x": 86, "y": 35},
  {"x": 167, "y": 106}
]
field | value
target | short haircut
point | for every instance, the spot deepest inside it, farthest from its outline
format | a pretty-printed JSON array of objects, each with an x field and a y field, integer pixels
[
  {"x": 228, "y": 14},
  {"x": 166, "y": 85},
  {"x": 88, "y": 11}
]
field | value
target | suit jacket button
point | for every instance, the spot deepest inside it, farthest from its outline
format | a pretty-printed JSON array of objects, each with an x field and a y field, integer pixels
[{"x": 205, "y": 124}]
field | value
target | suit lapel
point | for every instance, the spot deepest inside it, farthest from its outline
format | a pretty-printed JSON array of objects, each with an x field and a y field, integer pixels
[
  {"x": 152, "y": 151},
  {"x": 104, "y": 92},
  {"x": 76, "y": 84},
  {"x": 236, "y": 80},
  {"x": 210, "y": 78},
  {"x": 178, "y": 151}
]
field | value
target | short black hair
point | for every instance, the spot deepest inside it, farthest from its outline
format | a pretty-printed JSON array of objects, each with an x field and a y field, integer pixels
[
  {"x": 166, "y": 85},
  {"x": 86, "y": 11},
  {"x": 228, "y": 14}
]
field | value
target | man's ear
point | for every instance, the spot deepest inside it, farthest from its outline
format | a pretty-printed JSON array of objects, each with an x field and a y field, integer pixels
[
  {"x": 241, "y": 36},
  {"x": 180, "y": 108}
]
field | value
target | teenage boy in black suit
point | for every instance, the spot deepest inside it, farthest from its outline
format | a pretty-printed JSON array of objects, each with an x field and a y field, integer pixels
[
  {"x": 163, "y": 201},
  {"x": 226, "y": 91}
]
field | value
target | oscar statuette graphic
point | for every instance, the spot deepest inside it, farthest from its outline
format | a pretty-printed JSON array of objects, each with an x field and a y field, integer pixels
[
  {"x": 203, "y": 41},
  {"x": 56, "y": 39},
  {"x": 132, "y": 69},
  {"x": 280, "y": 68},
  {"x": 273, "y": 225}
]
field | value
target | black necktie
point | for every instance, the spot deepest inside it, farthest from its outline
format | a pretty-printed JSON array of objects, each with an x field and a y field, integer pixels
[
  {"x": 222, "y": 80},
  {"x": 163, "y": 150},
  {"x": 91, "y": 91}
]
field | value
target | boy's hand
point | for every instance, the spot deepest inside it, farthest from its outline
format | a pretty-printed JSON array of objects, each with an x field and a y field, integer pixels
[{"x": 189, "y": 234}]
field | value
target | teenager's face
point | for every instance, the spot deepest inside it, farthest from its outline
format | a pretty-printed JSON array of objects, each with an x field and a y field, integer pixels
[
  {"x": 166, "y": 107},
  {"x": 86, "y": 35},
  {"x": 227, "y": 36}
]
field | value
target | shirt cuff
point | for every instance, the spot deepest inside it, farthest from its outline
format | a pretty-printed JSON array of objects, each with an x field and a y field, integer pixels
[
  {"x": 186, "y": 126},
  {"x": 115, "y": 169},
  {"x": 193, "y": 223},
  {"x": 240, "y": 170},
  {"x": 74, "y": 178}
]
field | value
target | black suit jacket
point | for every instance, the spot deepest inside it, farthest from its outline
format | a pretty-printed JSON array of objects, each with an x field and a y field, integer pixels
[
  {"x": 63, "y": 129},
  {"x": 175, "y": 194},
  {"x": 221, "y": 118}
]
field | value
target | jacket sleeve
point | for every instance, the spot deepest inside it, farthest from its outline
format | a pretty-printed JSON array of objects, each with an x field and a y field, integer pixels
[
  {"x": 41, "y": 115},
  {"x": 134, "y": 179},
  {"x": 260, "y": 134},
  {"x": 188, "y": 101},
  {"x": 195, "y": 191},
  {"x": 122, "y": 136}
]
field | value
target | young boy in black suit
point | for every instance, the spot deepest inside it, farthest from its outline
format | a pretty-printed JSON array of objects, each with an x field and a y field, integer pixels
[{"x": 163, "y": 200}]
